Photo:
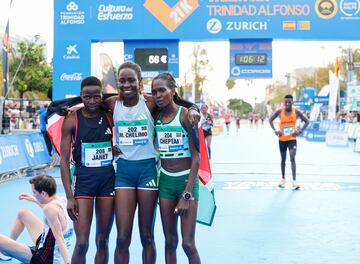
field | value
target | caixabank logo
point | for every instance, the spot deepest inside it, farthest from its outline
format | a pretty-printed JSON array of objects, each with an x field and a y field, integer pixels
[
  {"x": 326, "y": 9},
  {"x": 171, "y": 17}
]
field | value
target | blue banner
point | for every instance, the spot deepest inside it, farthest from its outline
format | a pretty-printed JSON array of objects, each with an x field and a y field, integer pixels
[
  {"x": 321, "y": 100},
  {"x": 78, "y": 23},
  {"x": 21, "y": 151},
  {"x": 206, "y": 19}
]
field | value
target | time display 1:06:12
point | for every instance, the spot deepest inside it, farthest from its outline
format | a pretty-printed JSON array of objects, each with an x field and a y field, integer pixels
[{"x": 250, "y": 59}]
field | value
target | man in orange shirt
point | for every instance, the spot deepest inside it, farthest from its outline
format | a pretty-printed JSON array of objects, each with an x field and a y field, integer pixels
[{"x": 287, "y": 134}]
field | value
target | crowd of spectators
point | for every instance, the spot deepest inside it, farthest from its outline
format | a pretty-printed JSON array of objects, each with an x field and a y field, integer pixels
[
  {"x": 348, "y": 117},
  {"x": 22, "y": 116}
]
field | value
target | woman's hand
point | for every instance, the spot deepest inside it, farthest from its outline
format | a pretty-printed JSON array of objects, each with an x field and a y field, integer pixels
[{"x": 182, "y": 207}]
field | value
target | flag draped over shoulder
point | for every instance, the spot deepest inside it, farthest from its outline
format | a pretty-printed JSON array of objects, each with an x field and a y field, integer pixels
[
  {"x": 56, "y": 113},
  {"x": 55, "y": 116},
  {"x": 207, "y": 205}
]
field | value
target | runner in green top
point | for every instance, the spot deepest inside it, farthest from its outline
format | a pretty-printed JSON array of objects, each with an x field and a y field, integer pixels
[{"x": 180, "y": 160}]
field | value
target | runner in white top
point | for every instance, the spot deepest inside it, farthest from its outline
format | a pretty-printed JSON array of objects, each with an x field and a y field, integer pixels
[{"x": 52, "y": 238}]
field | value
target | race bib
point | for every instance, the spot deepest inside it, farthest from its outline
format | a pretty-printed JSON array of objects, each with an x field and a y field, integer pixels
[
  {"x": 288, "y": 130},
  {"x": 97, "y": 154},
  {"x": 131, "y": 133},
  {"x": 170, "y": 138}
]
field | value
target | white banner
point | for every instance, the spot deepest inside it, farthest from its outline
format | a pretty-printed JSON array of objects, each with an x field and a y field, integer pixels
[
  {"x": 353, "y": 90},
  {"x": 334, "y": 86},
  {"x": 336, "y": 138}
]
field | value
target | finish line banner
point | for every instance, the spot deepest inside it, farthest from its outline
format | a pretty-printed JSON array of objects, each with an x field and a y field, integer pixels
[
  {"x": 78, "y": 23},
  {"x": 206, "y": 19}
]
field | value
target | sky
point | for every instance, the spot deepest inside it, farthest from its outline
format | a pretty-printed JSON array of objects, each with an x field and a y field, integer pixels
[{"x": 35, "y": 17}]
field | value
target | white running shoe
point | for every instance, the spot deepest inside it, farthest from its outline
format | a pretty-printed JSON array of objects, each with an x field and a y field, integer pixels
[
  {"x": 296, "y": 186},
  {"x": 3, "y": 257}
]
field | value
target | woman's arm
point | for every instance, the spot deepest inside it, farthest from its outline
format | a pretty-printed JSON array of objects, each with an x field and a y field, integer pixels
[{"x": 183, "y": 206}]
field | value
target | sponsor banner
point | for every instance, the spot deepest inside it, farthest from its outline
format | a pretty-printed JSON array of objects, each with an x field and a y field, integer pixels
[
  {"x": 207, "y": 19},
  {"x": 22, "y": 151},
  {"x": 70, "y": 56},
  {"x": 331, "y": 125},
  {"x": 315, "y": 135},
  {"x": 250, "y": 59},
  {"x": 154, "y": 57},
  {"x": 336, "y": 138}
]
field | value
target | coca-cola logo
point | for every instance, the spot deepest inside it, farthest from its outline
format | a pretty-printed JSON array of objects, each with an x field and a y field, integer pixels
[{"x": 76, "y": 76}]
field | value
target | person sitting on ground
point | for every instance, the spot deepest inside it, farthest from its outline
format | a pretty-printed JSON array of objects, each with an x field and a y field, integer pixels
[{"x": 52, "y": 238}]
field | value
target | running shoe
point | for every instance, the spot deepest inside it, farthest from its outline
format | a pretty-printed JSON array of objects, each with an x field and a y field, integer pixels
[
  {"x": 282, "y": 183},
  {"x": 3, "y": 257},
  {"x": 296, "y": 186}
]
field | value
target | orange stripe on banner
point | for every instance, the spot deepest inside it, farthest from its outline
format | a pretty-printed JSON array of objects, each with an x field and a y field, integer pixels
[
  {"x": 289, "y": 25},
  {"x": 304, "y": 25},
  {"x": 171, "y": 17}
]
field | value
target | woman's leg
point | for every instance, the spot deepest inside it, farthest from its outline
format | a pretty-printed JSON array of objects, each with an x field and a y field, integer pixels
[
  {"x": 147, "y": 203},
  {"x": 82, "y": 230},
  {"x": 188, "y": 224},
  {"x": 125, "y": 206},
  {"x": 169, "y": 224},
  {"x": 104, "y": 210}
]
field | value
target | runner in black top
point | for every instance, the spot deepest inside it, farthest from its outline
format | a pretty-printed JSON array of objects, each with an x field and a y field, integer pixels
[{"x": 87, "y": 137}]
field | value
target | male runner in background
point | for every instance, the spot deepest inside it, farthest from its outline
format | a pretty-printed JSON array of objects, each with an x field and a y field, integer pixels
[
  {"x": 287, "y": 134},
  {"x": 51, "y": 237}
]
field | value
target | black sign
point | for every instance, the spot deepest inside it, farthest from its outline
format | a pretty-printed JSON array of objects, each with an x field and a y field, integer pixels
[
  {"x": 250, "y": 59},
  {"x": 152, "y": 59}
]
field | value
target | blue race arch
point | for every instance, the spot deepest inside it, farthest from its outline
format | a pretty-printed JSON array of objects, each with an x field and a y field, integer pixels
[{"x": 79, "y": 23}]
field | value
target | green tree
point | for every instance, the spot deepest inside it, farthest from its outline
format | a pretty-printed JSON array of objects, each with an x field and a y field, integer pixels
[
  {"x": 230, "y": 84},
  {"x": 28, "y": 69},
  {"x": 240, "y": 106},
  {"x": 280, "y": 90},
  {"x": 200, "y": 68}
]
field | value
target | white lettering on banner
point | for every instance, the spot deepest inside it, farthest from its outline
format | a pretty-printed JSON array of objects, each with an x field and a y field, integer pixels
[
  {"x": 236, "y": 71},
  {"x": 246, "y": 25},
  {"x": 246, "y": 71},
  {"x": 76, "y": 76},
  {"x": 9, "y": 151},
  {"x": 112, "y": 12},
  {"x": 72, "y": 15},
  {"x": 38, "y": 146},
  {"x": 71, "y": 53},
  {"x": 252, "y": 10},
  {"x": 180, "y": 12},
  {"x": 350, "y": 9},
  {"x": 29, "y": 147}
]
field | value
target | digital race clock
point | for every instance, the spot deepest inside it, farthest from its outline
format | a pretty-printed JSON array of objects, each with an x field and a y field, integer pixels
[{"x": 250, "y": 59}]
